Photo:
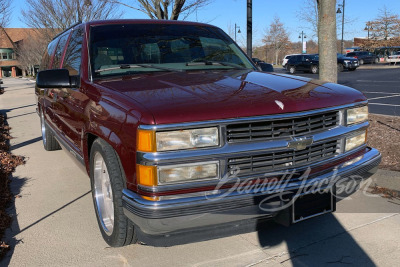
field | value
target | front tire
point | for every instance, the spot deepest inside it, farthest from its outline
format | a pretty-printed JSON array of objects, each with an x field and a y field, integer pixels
[
  {"x": 107, "y": 183},
  {"x": 340, "y": 67},
  {"x": 376, "y": 60},
  {"x": 361, "y": 61},
  {"x": 314, "y": 69},
  {"x": 292, "y": 69},
  {"x": 50, "y": 143}
]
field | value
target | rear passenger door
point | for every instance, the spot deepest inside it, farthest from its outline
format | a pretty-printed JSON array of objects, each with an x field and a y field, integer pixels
[
  {"x": 53, "y": 110},
  {"x": 73, "y": 100}
]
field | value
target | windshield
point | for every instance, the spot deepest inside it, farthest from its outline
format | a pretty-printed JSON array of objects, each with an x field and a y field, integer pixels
[{"x": 121, "y": 49}]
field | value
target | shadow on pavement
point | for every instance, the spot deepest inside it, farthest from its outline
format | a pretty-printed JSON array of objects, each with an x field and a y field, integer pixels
[
  {"x": 321, "y": 241},
  {"x": 15, "y": 187},
  {"x": 25, "y": 143}
]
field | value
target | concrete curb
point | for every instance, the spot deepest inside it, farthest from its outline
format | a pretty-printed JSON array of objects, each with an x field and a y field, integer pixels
[{"x": 387, "y": 179}]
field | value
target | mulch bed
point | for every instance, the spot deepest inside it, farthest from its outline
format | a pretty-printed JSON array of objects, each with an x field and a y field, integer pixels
[
  {"x": 8, "y": 163},
  {"x": 384, "y": 135}
]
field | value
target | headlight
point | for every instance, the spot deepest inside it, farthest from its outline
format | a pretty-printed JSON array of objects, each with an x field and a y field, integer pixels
[
  {"x": 355, "y": 141},
  {"x": 357, "y": 115},
  {"x": 187, "y": 139},
  {"x": 189, "y": 172}
]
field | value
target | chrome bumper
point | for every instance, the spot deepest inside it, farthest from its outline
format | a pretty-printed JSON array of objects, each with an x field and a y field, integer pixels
[{"x": 161, "y": 218}]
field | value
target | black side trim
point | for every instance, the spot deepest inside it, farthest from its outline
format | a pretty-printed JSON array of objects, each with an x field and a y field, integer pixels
[{"x": 65, "y": 145}]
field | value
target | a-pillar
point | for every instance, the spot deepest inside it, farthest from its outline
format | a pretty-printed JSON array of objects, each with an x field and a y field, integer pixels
[{"x": 13, "y": 72}]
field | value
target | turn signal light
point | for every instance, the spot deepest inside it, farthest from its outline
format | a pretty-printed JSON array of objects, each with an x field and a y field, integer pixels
[
  {"x": 146, "y": 141},
  {"x": 146, "y": 175}
]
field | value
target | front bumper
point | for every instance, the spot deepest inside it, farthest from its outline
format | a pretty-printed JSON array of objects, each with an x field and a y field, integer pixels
[
  {"x": 162, "y": 218},
  {"x": 351, "y": 65}
]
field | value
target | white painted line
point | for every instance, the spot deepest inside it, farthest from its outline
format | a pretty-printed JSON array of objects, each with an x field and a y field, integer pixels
[
  {"x": 381, "y": 104},
  {"x": 380, "y": 93},
  {"x": 388, "y": 96},
  {"x": 372, "y": 81}
]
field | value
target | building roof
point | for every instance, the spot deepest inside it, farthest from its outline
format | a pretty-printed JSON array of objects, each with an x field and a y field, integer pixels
[{"x": 8, "y": 36}]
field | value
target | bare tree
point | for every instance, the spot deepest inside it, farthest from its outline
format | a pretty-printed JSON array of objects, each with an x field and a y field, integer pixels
[
  {"x": 29, "y": 53},
  {"x": 58, "y": 15},
  {"x": 276, "y": 37},
  {"x": 5, "y": 12},
  {"x": 161, "y": 9},
  {"x": 309, "y": 15},
  {"x": 386, "y": 25},
  {"x": 327, "y": 40}
]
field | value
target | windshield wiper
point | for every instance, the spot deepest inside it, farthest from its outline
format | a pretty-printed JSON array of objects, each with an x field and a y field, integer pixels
[
  {"x": 207, "y": 62},
  {"x": 130, "y": 66}
]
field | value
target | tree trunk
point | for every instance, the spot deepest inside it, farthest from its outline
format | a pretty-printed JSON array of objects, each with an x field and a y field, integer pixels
[{"x": 327, "y": 40}]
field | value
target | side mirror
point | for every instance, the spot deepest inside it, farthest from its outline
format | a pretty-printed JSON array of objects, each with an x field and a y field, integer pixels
[{"x": 57, "y": 78}]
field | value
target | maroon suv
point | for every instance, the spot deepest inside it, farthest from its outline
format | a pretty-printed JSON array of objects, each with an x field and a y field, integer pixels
[{"x": 181, "y": 134}]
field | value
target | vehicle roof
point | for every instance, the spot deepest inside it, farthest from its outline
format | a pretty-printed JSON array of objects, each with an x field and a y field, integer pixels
[
  {"x": 144, "y": 21},
  {"x": 133, "y": 21}
]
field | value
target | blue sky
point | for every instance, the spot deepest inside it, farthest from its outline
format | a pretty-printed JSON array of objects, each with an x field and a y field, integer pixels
[{"x": 228, "y": 12}]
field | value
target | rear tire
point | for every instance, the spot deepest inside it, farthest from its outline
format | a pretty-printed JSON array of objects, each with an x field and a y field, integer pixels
[
  {"x": 107, "y": 182},
  {"x": 340, "y": 67},
  {"x": 376, "y": 60},
  {"x": 50, "y": 143}
]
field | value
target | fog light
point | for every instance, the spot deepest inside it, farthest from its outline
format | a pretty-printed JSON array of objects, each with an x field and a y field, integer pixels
[
  {"x": 355, "y": 141},
  {"x": 188, "y": 172}
]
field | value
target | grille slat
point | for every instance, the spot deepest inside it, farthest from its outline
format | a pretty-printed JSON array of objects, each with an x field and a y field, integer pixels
[
  {"x": 272, "y": 129},
  {"x": 275, "y": 161}
]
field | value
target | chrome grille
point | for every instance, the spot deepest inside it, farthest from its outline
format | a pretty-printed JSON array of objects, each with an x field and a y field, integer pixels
[
  {"x": 288, "y": 159},
  {"x": 272, "y": 129}
]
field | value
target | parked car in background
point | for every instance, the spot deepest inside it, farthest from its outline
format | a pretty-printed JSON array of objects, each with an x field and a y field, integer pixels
[
  {"x": 348, "y": 63},
  {"x": 181, "y": 134},
  {"x": 267, "y": 67},
  {"x": 395, "y": 58},
  {"x": 364, "y": 57},
  {"x": 286, "y": 58},
  {"x": 304, "y": 62}
]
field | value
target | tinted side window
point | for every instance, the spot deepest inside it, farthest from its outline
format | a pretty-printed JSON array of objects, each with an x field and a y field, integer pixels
[
  {"x": 59, "y": 51},
  {"x": 45, "y": 63},
  {"x": 72, "y": 60}
]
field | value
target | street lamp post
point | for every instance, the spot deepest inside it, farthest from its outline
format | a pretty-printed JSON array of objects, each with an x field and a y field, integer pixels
[
  {"x": 368, "y": 27},
  {"x": 237, "y": 27},
  {"x": 303, "y": 36},
  {"x": 338, "y": 12},
  {"x": 250, "y": 28}
]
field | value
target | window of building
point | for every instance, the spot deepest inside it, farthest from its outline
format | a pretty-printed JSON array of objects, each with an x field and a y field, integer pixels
[{"x": 6, "y": 54}]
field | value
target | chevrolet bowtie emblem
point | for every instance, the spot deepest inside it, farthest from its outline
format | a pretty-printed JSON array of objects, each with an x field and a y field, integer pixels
[{"x": 300, "y": 143}]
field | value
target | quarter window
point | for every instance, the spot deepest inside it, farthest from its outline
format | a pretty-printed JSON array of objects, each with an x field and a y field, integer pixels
[
  {"x": 45, "y": 64},
  {"x": 72, "y": 60},
  {"x": 59, "y": 51}
]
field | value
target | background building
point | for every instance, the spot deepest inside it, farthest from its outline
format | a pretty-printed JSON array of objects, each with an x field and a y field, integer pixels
[{"x": 10, "y": 40}]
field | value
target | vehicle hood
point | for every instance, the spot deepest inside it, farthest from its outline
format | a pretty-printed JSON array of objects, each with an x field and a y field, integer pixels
[
  {"x": 174, "y": 97},
  {"x": 349, "y": 58}
]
